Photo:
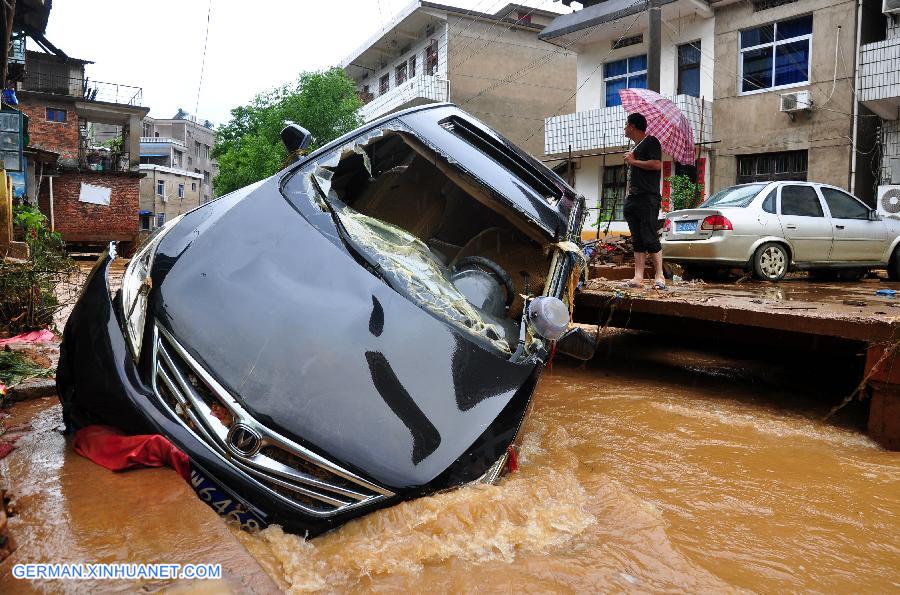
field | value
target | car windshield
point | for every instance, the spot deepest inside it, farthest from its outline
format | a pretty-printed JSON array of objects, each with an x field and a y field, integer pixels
[{"x": 736, "y": 196}]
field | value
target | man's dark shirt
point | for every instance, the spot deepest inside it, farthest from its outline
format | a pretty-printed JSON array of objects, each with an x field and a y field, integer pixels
[{"x": 646, "y": 181}]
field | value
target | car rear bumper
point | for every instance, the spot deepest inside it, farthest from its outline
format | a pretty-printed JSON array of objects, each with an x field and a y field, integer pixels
[{"x": 718, "y": 249}]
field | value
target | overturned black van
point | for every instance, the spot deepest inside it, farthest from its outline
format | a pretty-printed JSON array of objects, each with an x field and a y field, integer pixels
[{"x": 362, "y": 328}]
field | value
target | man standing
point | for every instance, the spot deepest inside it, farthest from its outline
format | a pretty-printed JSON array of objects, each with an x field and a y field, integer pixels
[{"x": 643, "y": 201}]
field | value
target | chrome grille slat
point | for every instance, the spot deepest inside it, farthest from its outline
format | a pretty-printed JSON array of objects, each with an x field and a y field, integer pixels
[
  {"x": 316, "y": 495},
  {"x": 299, "y": 489}
]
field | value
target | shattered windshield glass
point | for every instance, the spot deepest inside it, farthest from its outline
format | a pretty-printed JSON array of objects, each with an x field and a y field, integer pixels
[{"x": 403, "y": 260}]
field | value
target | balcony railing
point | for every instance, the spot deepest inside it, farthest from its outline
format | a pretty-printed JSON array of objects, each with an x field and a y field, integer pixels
[
  {"x": 102, "y": 160},
  {"x": 602, "y": 128},
  {"x": 879, "y": 75},
  {"x": 162, "y": 140},
  {"x": 417, "y": 90},
  {"x": 44, "y": 82}
]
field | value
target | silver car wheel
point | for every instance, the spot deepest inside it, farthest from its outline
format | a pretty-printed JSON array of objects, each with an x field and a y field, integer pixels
[{"x": 773, "y": 262}]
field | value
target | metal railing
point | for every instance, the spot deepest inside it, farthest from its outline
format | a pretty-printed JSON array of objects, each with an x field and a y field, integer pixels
[
  {"x": 602, "y": 128},
  {"x": 84, "y": 88},
  {"x": 103, "y": 160},
  {"x": 163, "y": 139},
  {"x": 422, "y": 87}
]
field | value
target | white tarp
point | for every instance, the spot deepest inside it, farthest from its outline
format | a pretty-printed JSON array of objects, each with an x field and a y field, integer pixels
[{"x": 97, "y": 195}]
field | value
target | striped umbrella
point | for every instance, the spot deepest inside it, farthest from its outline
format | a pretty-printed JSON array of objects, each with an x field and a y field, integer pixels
[{"x": 664, "y": 121}]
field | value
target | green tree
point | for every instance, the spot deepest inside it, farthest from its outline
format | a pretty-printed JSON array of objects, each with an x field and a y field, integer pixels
[{"x": 248, "y": 147}]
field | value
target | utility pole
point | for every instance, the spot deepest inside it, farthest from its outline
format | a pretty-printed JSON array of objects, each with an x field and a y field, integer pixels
[{"x": 653, "y": 59}]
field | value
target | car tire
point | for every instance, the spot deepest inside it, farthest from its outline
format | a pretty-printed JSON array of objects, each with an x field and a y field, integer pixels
[
  {"x": 893, "y": 268},
  {"x": 771, "y": 262}
]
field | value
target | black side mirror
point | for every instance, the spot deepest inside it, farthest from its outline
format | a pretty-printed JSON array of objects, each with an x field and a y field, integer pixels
[
  {"x": 577, "y": 343},
  {"x": 295, "y": 137}
]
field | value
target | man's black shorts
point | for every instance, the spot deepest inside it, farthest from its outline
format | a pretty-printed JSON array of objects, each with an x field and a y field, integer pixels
[{"x": 641, "y": 214}]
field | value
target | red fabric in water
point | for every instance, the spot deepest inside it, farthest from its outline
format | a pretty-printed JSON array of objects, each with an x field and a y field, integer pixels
[{"x": 109, "y": 448}]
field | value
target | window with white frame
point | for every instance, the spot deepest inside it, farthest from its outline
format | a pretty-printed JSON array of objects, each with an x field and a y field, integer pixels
[
  {"x": 776, "y": 55},
  {"x": 181, "y": 191},
  {"x": 412, "y": 66},
  {"x": 160, "y": 187},
  {"x": 160, "y": 219},
  {"x": 627, "y": 73}
]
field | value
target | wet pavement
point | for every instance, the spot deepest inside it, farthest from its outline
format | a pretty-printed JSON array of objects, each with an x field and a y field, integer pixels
[
  {"x": 850, "y": 310},
  {"x": 67, "y": 509}
]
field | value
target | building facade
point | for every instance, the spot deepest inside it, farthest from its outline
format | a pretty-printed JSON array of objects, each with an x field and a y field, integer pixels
[
  {"x": 167, "y": 192},
  {"x": 879, "y": 92},
  {"x": 612, "y": 43},
  {"x": 491, "y": 65},
  {"x": 771, "y": 50},
  {"x": 182, "y": 142},
  {"x": 88, "y": 192},
  {"x": 787, "y": 89}
]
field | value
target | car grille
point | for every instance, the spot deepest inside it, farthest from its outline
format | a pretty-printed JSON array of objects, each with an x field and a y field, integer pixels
[{"x": 280, "y": 466}]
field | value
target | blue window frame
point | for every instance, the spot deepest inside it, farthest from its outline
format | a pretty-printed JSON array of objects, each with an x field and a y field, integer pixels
[
  {"x": 776, "y": 55},
  {"x": 627, "y": 73},
  {"x": 56, "y": 115}
]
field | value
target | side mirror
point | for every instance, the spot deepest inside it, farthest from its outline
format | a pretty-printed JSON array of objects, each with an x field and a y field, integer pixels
[
  {"x": 295, "y": 137},
  {"x": 874, "y": 216},
  {"x": 577, "y": 343}
]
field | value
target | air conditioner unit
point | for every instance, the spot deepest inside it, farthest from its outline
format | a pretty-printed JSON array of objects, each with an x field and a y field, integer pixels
[
  {"x": 889, "y": 201},
  {"x": 796, "y": 101},
  {"x": 890, "y": 6}
]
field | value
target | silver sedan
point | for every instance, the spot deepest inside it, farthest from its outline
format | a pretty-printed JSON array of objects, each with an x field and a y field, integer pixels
[{"x": 770, "y": 227}]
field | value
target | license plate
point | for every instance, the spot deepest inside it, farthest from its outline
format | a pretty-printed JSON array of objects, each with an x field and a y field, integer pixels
[
  {"x": 224, "y": 502},
  {"x": 685, "y": 227}
]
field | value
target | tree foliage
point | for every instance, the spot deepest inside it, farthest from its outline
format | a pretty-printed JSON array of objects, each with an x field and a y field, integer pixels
[{"x": 248, "y": 147}]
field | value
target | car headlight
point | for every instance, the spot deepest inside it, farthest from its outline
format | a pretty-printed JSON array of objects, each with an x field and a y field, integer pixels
[
  {"x": 548, "y": 317},
  {"x": 136, "y": 285}
]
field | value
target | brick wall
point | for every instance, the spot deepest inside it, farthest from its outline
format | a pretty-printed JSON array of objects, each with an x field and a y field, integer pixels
[
  {"x": 85, "y": 222},
  {"x": 59, "y": 137}
]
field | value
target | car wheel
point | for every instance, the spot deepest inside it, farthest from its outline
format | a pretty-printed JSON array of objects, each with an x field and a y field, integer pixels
[
  {"x": 893, "y": 268},
  {"x": 771, "y": 262}
]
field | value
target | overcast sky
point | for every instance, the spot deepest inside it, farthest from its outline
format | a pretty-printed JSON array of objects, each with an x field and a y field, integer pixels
[{"x": 253, "y": 46}]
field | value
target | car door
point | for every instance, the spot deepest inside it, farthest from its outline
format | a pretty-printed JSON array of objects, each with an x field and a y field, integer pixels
[
  {"x": 805, "y": 223},
  {"x": 856, "y": 238}
]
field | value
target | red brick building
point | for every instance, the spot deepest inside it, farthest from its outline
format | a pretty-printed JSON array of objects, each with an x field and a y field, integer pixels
[{"x": 91, "y": 193}]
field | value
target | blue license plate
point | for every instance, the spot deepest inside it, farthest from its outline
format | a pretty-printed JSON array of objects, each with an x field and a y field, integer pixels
[
  {"x": 225, "y": 503},
  {"x": 685, "y": 227}
]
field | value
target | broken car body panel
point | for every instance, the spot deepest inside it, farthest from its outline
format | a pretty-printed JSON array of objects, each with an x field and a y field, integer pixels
[{"x": 282, "y": 320}]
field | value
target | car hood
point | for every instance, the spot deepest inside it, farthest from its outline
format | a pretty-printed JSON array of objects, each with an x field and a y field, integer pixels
[{"x": 318, "y": 348}]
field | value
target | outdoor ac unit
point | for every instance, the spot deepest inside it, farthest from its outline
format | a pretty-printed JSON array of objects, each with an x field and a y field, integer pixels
[
  {"x": 889, "y": 201},
  {"x": 796, "y": 101},
  {"x": 890, "y": 6}
]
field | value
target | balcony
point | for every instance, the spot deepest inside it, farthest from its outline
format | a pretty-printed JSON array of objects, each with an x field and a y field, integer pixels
[
  {"x": 101, "y": 159},
  {"x": 880, "y": 77},
  {"x": 601, "y": 129},
  {"x": 82, "y": 88},
  {"x": 416, "y": 91}
]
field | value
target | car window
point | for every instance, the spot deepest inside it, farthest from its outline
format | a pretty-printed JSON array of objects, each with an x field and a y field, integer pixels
[
  {"x": 769, "y": 204},
  {"x": 801, "y": 201},
  {"x": 844, "y": 206},
  {"x": 736, "y": 196}
]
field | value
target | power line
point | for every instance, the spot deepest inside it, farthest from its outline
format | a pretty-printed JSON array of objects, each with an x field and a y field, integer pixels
[
  {"x": 203, "y": 60},
  {"x": 589, "y": 76}
]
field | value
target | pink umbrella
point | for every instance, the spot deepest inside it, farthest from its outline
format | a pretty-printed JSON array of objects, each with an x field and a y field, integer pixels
[{"x": 664, "y": 121}]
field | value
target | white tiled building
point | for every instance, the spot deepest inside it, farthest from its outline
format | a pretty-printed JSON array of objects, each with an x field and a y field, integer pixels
[{"x": 611, "y": 40}]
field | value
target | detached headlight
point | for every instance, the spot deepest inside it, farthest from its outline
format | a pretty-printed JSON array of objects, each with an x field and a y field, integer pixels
[
  {"x": 136, "y": 285},
  {"x": 548, "y": 317}
]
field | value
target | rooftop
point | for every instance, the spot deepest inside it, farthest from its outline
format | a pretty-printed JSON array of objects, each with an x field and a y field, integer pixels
[{"x": 407, "y": 25}]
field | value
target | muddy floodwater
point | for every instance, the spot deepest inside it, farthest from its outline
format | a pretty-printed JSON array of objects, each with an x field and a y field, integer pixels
[{"x": 639, "y": 480}]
